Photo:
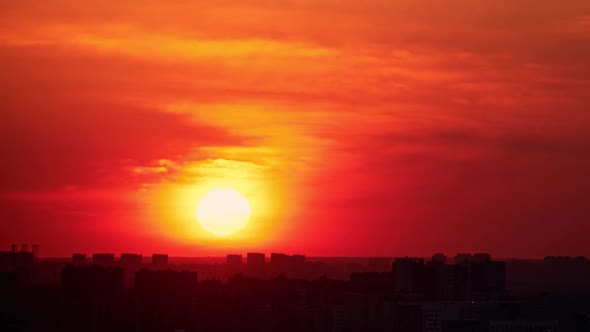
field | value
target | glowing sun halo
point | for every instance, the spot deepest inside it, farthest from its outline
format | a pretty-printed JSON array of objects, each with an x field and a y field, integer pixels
[{"x": 223, "y": 212}]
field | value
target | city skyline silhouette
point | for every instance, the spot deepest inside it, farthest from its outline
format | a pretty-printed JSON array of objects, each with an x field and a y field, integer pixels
[{"x": 291, "y": 292}]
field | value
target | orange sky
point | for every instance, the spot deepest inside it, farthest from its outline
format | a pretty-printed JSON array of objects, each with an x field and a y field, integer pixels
[{"x": 377, "y": 127}]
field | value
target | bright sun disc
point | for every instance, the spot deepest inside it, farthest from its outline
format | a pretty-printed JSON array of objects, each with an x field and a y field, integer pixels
[{"x": 223, "y": 211}]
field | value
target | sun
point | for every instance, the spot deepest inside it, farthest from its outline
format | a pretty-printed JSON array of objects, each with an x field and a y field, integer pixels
[{"x": 223, "y": 211}]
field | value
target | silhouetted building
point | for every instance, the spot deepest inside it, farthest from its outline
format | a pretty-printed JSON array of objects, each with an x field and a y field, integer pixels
[
  {"x": 24, "y": 259},
  {"x": 297, "y": 260},
  {"x": 6, "y": 260},
  {"x": 481, "y": 258},
  {"x": 478, "y": 277},
  {"x": 408, "y": 275},
  {"x": 408, "y": 317},
  {"x": 233, "y": 260},
  {"x": 439, "y": 258},
  {"x": 524, "y": 325},
  {"x": 79, "y": 259},
  {"x": 283, "y": 263},
  {"x": 160, "y": 260},
  {"x": 582, "y": 322},
  {"x": 255, "y": 264},
  {"x": 489, "y": 310},
  {"x": 35, "y": 251},
  {"x": 372, "y": 281},
  {"x": 18, "y": 259},
  {"x": 439, "y": 281},
  {"x": 165, "y": 283},
  {"x": 131, "y": 263},
  {"x": 463, "y": 258},
  {"x": 493, "y": 281},
  {"x": 131, "y": 260},
  {"x": 103, "y": 259},
  {"x": 8, "y": 283},
  {"x": 464, "y": 326},
  {"x": 279, "y": 260},
  {"x": 379, "y": 264},
  {"x": 168, "y": 300},
  {"x": 92, "y": 280},
  {"x": 434, "y": 314},
  {"x": 463, "y": 317}
]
